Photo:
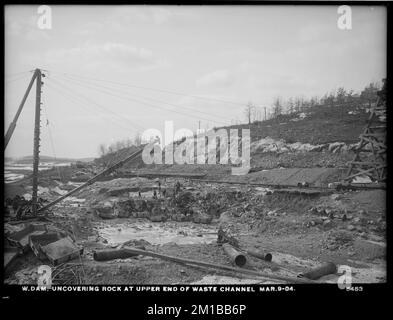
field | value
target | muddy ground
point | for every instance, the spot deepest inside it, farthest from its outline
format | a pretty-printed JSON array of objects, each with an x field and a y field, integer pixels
[{"x": 301, "y": 231}]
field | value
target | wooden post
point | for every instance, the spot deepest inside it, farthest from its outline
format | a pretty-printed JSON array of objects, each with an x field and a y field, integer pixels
[{"x": 36, "y": 148}]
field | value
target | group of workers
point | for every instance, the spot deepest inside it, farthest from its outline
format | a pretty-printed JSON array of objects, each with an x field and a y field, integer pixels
[{"x": 159, "y": 192}]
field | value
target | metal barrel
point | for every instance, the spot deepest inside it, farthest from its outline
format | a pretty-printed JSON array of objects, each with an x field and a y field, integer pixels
[
  {"x": 237, "y": 257},
  {"x": 260, "y": 255},
  {"x": 320, "y": 271}
]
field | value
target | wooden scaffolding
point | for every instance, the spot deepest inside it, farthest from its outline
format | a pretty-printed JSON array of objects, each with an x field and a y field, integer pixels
[{"x": 370, "y": 154}]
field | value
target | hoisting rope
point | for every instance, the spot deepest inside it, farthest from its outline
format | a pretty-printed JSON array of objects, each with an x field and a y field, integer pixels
[{"x": 51, "y": 142}]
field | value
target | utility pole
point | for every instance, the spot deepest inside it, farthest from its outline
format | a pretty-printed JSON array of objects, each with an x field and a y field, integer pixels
[
  {"x": 36, "y": 148},
  {"x": 265, "y": 112}
]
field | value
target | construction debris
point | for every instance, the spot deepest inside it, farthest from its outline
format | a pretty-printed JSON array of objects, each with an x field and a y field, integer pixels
[
  {"x": 320, "y": 271},
  {"x": 20, "y": 239},
  {"x": 10, "y": 254},
  {"x": 214, "y": 221},
  {"x": 61, "y": 251},
  {"x": 256, "y": 274}
]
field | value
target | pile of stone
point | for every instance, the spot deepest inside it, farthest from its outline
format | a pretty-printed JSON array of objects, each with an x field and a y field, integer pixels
[
  {"x": 280, "y": 146},
  {"x": 183, "y": 207}
]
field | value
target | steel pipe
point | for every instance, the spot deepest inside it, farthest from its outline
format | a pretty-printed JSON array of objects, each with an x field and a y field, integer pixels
[
  {"x": 106, "y": 255},
  {"x": 237, "y": 257},
  {"x": 260, "y": 255},
  {"x": 320, "y": 271}
]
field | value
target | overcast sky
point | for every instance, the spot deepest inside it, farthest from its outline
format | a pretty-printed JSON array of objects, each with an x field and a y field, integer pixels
[{"x": 227, "y": 54}]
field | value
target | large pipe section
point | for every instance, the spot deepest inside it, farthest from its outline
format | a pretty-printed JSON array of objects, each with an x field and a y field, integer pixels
[
  {"x": 260, "y": 255},
  {"x": 237, "y": 257},
  {"x": 112, "y": 254},
  {"x": 320, "y": 271}
]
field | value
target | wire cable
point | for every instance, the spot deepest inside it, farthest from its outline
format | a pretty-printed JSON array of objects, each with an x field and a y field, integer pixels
[
  {"x": 71, "y": 97},
  {"x": 152, "y": 89},
  {"x": 18, "y": 73},
  {"x": 150, "y": 105},
  {"x": 51, "y": 141},
  {"x": 147, "y": 98},
  {"x": 16, "y": 79},
  {"x": 73, "y": 92}
]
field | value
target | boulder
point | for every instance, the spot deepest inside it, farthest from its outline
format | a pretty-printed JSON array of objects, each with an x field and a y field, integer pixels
[
  {"x": 105, "y": 211},
  {"x": 205, "y": 219},
  {"x": 143, "y": 214},
  {"x": 157, "y": 218},
  {"x": 156, "y": 210},
  {"x": 335, "y": 146},
  {"x": 150, "y": 204},
  {"x": 123, "y": 209},
  {"x": 184, "y": 199},
  {"x": 140, "y": 205}
]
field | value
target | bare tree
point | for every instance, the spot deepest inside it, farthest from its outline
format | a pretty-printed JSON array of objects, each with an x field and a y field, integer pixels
[
  {"x": 249, "y": 112},
  {"x": 137, "y": 139},
  {"x": 350, "y": 96},
  {"x": 298, "y": 104},
  {"x": 102, "y": 149},
  {"x": 277, "y": 107},
  {"x": 314, "y": 101},
  {"x": 111, "y": 148},
  {"x": 128, "y": 142},
  {"x": 369, "y": 94},
  {"x": 291, "y": 105},
  {"x": 119, "y": 145},
  {"x": 341, "y": 95},
  {"x": 329, "y": 98},
  {"x": 305, "y": 104},
  {"x": 258, "y": 114}
]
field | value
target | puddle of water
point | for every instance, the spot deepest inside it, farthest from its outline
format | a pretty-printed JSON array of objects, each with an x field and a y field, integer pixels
[
  {"x": 158, "y": 234},
  {"x": 74, "y": 199}
]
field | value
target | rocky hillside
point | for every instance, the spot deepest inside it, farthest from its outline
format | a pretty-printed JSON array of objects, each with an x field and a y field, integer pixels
[
  {"x": 304, "y": 139},
  {"x": 317, "y": 125}
]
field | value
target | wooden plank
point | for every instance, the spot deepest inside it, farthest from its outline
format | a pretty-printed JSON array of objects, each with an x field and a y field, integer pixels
[
  {"x": 364, "y": 172},
  {"x": 366, "y": 163}
]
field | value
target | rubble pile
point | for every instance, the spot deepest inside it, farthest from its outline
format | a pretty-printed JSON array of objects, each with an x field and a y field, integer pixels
[{"x": 280, "y": 146}]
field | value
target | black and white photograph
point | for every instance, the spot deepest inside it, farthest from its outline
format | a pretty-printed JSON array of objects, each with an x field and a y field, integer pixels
[{"x": 193, "y": 148}]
